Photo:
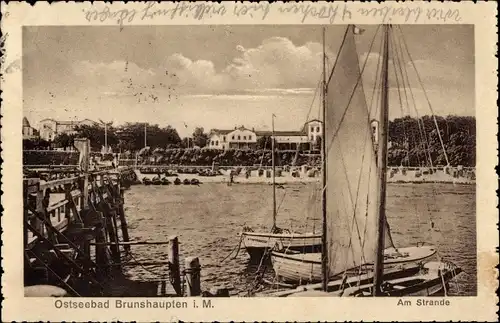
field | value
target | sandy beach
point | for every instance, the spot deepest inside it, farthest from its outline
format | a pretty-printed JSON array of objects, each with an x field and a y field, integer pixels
[{"x": 287, "y": 178}]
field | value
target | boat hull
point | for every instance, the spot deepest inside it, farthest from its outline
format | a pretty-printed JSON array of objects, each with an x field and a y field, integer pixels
[
  {"x": 306, "y": 268},
  {"x": 259, "y": 245},
  {"x": 429, "y": 279},
  {"x": 432, "y": 280}
]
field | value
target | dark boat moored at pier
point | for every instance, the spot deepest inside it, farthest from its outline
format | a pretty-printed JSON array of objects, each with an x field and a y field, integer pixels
[
  {"x": 186, "y": 182},
  {"x": 177, "y": 181},
  {"x": 165, "y": 181}
]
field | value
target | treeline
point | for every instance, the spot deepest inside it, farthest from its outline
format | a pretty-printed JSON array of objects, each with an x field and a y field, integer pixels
[
  {"x": 128, "y": 137},
  {"x": 413, "y": 142},
  {"x": 416, "y": 142}
]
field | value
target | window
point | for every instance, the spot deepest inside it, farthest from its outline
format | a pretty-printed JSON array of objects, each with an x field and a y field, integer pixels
[
  {"x": 239, "y": 137},
  {"x": 224, "y": 138},
  {"x": 312, "y": 129},
  {"x": 233, "y": 137},
  {"x": 217, "y": 143},
  {"x": 244, "y": 137},
  {"x": 317, "y": 129},
  {"x": 250, "y": 137},
  {"x": 312, "y": 138}
]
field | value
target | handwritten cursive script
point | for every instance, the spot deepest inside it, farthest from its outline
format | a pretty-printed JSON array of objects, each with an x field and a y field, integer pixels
[
  {"x": 328, "y": 12},
  {"x": 150, "y": 11},
  {"x": 260, "y": 11}
]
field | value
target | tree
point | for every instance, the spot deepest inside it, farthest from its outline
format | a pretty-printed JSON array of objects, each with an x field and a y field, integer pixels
[
  {"x": 264, "y": 142},
  {"x": 200, "y": 138},
  {"x": 130, "y": 136},
  {"x": 63, "y": 140},
  {"x": 418, "y": 140},
  {"x": 96, "y": 134},
  {"x": 186, "y": 142}
]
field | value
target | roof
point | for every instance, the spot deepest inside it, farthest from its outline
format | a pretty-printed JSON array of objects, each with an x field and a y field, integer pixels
[
  {"x": 309, "y": 121},
  {"x": 88, "y": 120},
  {"x": 280, "y": 133},
  {"x": 26, "y": 123},
  {"x": 65, "y": 122},
  {"x": 220, "y": 131}
]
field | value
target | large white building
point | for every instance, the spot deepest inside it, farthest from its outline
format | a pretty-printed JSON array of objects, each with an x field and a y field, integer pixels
[
  {"x": 245, "y": 138},
  {"x": 50, "y": 128}
]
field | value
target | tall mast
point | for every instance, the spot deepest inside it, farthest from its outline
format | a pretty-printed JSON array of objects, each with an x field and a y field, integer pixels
[
  {"x": 382, "y": 166},
  {"x": 324, "y": 251},
  {"x": 274, "y": 182},
  {"x": 145, "y": 135}
]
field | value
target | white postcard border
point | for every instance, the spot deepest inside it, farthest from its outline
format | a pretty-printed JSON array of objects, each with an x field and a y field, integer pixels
[{"x": 482, "y": 307}]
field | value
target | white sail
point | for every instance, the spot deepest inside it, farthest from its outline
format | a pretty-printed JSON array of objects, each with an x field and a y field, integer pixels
[{"x": 351, "y": 187}]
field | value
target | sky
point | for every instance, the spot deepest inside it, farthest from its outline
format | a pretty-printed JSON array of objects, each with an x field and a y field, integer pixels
[{"x": 225, "y": 76}]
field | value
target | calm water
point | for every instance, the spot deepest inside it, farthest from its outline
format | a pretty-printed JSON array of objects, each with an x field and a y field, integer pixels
[{"x": 207, "y": 220}]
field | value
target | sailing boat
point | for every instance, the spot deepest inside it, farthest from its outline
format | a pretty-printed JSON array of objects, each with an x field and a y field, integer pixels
[
  {"x": 353, "y": 256},
  {"x": 259, "y": 244}
]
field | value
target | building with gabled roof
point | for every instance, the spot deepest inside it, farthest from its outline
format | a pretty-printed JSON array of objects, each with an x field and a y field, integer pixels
[
  {"x": 50, "y": 128},
  {"x": 245, "y": 138}
]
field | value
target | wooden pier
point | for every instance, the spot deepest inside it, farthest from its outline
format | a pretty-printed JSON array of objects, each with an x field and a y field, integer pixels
[{"x": 76, "y": 239}]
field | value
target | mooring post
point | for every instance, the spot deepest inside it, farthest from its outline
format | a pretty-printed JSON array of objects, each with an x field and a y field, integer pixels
[
  {"x": 40, "y": 208},
  {"x": 173, "y": 259},
  {"x": 83, "y": 146},
  {"x": 100, "y": 249},
  {"x": 193, "y": 276},
  {"x": 111, "y": 228},
  {"x": 123, "y": 221}
]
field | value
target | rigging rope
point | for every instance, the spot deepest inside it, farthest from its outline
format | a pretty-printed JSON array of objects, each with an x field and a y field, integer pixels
[
  {"x": 420, "y": 122},
  {"x": 395, "y": 63},
  {"x": 426, "y": 96},
  {"x": 398, "y": 67},
  {"x": 434, "y": 192}
]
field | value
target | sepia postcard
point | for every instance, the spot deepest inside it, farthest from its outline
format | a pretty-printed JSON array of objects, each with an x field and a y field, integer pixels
[{"x": 249, "y": 161}]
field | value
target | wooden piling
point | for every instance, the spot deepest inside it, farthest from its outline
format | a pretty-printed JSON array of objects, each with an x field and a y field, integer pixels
[
  {"x": 83, "y": 146},
  {"x": 40, "y": 208},
  {"x": 110, "y": 226},
  {"x": 101, "y": 255},
  {"x": 173, "y": 259},
  {"x": 193, "y": 277},
  {"x": 123, "y": 222}
]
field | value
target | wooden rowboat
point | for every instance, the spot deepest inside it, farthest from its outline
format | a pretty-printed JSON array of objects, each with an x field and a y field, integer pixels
[{"x": 306, "y": 268}]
